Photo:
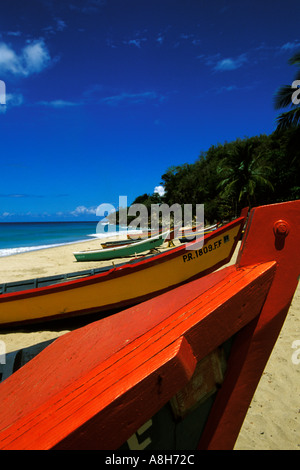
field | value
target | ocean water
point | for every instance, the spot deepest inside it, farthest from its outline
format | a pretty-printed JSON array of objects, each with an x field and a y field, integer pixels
[{"x": 21, "y": 237}]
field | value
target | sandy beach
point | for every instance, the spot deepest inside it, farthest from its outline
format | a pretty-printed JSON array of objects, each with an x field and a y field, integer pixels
[{"x": 273, "y": 419}]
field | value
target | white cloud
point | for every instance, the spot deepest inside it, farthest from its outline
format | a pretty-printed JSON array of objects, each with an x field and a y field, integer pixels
[
  {"x": 223, "y": 89},
  {"x": 9, "y": 61},
  {"x": 36, "y": 57},
  {"x": 14, "y": 33},
  {"x": 33, "y": 58},
  {"x": 290, "y": 46},
  {"x": 58, "y": 103},
  {"x": 11, "y": 100},
  {"x": 92, "y": 95},
  {"x": 60, "y": 24},
  {"x": 82, "y": 210},
  {"x": 230, "y": 64},
  {"x": 14, "y": 99},
  {"x": 135, "y": 42},
  {"x": 160, "y": 39},
  {"x": 6, "y": 214},
  {"x": 221, "y": 65},
  {"x": 159, "y": 190},
  {"x": 134, "y": 98}
]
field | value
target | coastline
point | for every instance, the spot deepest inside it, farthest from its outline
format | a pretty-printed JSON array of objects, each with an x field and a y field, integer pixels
[
  {"x": 50, "y": 261},
  {"x": 273, "y": 418},
  {"x": 43, "y": 241}
]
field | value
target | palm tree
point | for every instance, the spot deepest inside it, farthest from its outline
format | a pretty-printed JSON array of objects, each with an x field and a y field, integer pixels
[
  {"x": 284, "y": 97},
  {"x": 242, "y": 173}
]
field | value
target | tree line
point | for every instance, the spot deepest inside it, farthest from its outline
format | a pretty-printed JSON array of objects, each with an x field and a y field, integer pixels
[
  {"x": 246, "y": 172},
  {"x": 252, "y": 171}
]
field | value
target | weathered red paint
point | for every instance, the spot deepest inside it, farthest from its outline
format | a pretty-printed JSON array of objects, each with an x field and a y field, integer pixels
[
  {"x": 94, "y": 387},
  {"x": 272, "y": 234}
]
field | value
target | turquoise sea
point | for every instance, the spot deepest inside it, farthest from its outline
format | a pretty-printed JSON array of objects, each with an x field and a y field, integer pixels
[{"x": 21, "y": 237}]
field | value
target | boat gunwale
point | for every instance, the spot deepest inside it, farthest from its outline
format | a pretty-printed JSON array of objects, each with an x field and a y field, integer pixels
[{"x": 128, "y": 268}]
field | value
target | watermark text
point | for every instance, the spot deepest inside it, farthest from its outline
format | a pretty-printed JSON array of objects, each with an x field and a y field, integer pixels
[
  {"x": 159, "y": 218},
  {"x": 2, "y": 93},
  {"x": 2, "y": 352},
  {"x": 296, "y": 94},
  {"x": 296, "y": 354}
]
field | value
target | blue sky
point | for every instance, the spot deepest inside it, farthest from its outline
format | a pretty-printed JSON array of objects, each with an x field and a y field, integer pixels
[{"x": 103, "y": 96}]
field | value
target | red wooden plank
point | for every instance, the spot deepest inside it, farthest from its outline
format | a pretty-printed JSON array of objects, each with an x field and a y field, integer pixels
[
  {"x": 273, "y": 233},
  {"x": 125, "y": 388},
  {"x": 107, "y": 337}
]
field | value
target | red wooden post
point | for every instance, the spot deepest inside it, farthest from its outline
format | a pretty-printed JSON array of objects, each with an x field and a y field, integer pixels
[{"x": 272, "y": 234}]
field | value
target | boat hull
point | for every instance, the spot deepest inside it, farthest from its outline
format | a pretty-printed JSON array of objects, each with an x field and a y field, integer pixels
[
  {"x": 112, "y": 244},
  {"x": 120, "y": 251},
  {"x": 125, "y": 285}
]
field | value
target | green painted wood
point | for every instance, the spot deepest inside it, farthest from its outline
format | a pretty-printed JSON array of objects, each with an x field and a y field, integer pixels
[{"x": 121, "y": 251}]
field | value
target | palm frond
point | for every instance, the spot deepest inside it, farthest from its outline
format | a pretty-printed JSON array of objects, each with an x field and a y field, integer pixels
[
  {"x": 289, "y": 119},
  {"x": 283, "y": 97},
  {"x": 264, "y": 181},
  {"x": 295, "y": 59}
]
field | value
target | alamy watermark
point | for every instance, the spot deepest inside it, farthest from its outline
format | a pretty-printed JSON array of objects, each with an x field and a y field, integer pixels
[
  {"x": 2, "y": 93},
  {"x": 2, "y": 352},
  {"x": 162, "y": 217},
  {"x": 296, "y": 354},
  {"x": 296, "y": 94}
]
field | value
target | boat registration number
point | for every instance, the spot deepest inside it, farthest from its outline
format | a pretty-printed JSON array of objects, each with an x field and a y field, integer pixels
[{"x": 194, "y": 254}]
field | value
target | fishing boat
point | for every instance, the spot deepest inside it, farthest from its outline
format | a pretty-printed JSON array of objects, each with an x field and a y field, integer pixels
[
  {"x": 177, "y": 372},
  {"x": 189, "y": 230},
  {"x": 144, "y": 234},
  {"x": 190, "y": 235},
  {"x": 121, "y": 251},
  {"x": 115, "y": 243},
  {"x": 117, "y": 286},
  {"x": 153, "y": 233}
]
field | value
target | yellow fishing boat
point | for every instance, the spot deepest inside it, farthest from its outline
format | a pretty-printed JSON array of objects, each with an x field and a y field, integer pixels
[{"x": 108, "y": 289}]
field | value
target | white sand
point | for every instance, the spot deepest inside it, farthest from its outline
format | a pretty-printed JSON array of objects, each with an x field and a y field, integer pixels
[{"x": 273, "y": 419}]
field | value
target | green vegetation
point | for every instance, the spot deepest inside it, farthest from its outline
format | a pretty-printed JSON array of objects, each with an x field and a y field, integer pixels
[
  {"x": 247, "y": 172},
  {"x": 284, "y": 99}
]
